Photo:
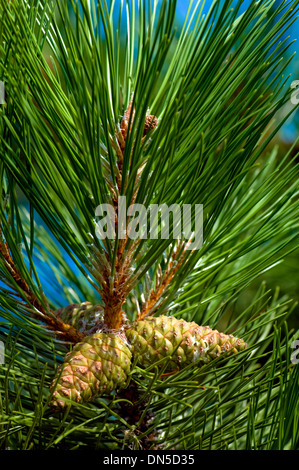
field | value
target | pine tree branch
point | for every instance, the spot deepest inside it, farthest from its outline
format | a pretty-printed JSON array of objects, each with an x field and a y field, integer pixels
[
  {"x": 63, "y": 145},
  {"x": 178, "y": 257},
  {"x": 39, "y": 311},
  {"x": 115, "y": 274}
]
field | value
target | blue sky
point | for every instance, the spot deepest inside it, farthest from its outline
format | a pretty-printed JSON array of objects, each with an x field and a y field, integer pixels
[
  {"x": 182, "y": 8},
  {"x": 289, "y": 131}
]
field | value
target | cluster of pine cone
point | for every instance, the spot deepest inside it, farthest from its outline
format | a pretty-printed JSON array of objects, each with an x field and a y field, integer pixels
[{"x": 102, "y": 361}]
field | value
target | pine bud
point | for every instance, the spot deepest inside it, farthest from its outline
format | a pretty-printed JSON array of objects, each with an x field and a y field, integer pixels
[
  {"x": 150, "y": 123},
  {"x": 85, "y": 317}
]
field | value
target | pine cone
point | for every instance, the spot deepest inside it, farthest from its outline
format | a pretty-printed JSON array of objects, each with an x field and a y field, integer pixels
[
  {"x": 85, "y": 317},
  {"x": 96, "y": 366},
  {"x": 158, "y": 337}
]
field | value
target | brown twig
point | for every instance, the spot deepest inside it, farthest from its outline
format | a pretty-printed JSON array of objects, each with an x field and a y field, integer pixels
[
  {"x": 132, "y": 410},
  {"x": 114, "y": 286},
  {"x": 163, "y": 281},
  {"x": 67, "y": 332}
]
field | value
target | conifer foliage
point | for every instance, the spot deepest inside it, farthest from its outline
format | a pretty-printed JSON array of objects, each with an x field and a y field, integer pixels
[{"x": 139, "y": 341}]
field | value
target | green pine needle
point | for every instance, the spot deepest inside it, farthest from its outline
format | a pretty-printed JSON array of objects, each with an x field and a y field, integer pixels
[{"x": 216, "y": 87}]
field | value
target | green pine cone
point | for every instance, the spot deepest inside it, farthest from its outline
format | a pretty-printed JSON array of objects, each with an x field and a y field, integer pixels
[
  {"x": 85, "y": 317},
  {"x": 96, "y": 366},
  {"x": 158, "y": 337}
]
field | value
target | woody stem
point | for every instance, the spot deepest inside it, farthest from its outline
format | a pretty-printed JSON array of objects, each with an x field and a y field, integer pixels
[
  {"x": 115, "y": 285},
  {"x": 46, "y": 314}
]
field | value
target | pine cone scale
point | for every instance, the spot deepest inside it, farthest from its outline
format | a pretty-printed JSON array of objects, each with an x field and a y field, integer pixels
[
  {"x": 185, "y": 342},
  {"x": 97, "y": 365},
  {"x": 101, "y": 362}
]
